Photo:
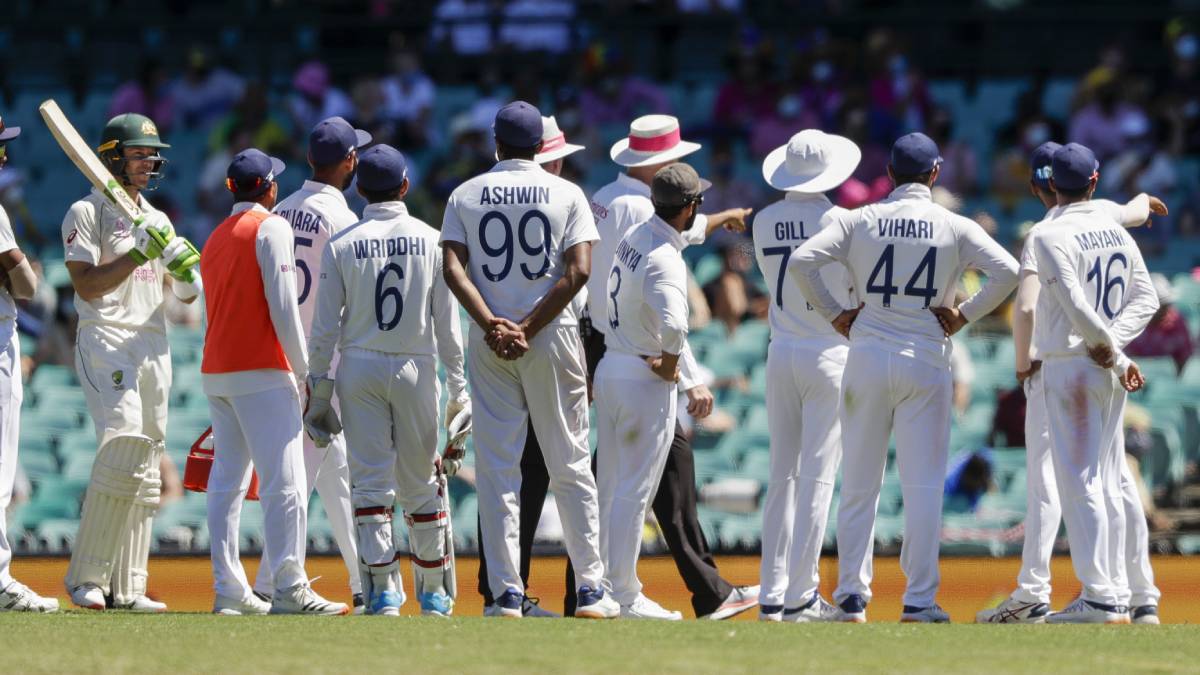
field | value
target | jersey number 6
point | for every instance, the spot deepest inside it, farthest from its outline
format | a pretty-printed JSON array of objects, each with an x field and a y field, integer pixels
[
  {"x": 505, "y": 249},
  {"x": 383, "y": 291}
]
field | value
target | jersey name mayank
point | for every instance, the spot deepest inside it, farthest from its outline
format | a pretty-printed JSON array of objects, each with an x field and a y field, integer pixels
[
  {"x": 1092, "y": 241},
  {"x": 515, "y": 194},
  {"x": 386, "y": 248},
  {"x": 905, "y": 227}
]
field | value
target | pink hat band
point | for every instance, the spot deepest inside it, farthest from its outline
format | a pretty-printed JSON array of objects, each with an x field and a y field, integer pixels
[
  {"x": 655, "y": 143},
  {"x": 554, "y": 143}
]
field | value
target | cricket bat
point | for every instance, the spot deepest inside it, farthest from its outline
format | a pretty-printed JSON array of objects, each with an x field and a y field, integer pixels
[{"x": 97, "y": 174}]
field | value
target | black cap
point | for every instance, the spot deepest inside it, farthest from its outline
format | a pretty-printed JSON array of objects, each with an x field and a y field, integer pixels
[
  {"x": 519, "y": 124},
  {"x": 252, "y": 171},
  {"x": 332, "y": 139},
  {"x": 677, "y": 185},
  {"x": 914, "y": 154},
  {"x": 1039, "y": 163},
  {"x": 1073, "y": 167},
  {"x": 381, "y": 168}
]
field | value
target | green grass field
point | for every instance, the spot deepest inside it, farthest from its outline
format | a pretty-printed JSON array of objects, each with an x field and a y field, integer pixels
[{"x": 79, "y": 642}]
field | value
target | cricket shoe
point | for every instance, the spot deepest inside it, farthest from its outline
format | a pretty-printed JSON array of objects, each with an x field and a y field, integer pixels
[
  {"x": 740, "y": 599},
  {"x": 532, "y": 610},
  {"x": 596, "y": 604},
  {"x": 816, "y": 610},
  {"x": 88, "y": 596},
  {"x": 18, "y": 597},
  {"x": 357, "y": 605},
  {"x": 770, "y": 613},
  {"x": 1013, "y": 610},
  {"x": 507, "y": 606},
  {"x": 302, "y": 599},
  {"x": 139, "y": 605},
  {"x": 435, "y": 604},
  {"x": 252, "y": 605},
  {"x": 1143, "y": 614},
  {"x": 1086, "y": 611},
  {"x": 387, "y": 603},
  {"x": 930, "y": 614},
  {"x": 645, "y": 608},
  {"x": 851, "y": 610}
]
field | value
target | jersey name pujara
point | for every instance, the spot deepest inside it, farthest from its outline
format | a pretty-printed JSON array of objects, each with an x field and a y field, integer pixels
[
  {"x": 302, "y": 221},
  {"x": 905, "y": 227},
  {"x": 386, "y": 248},
  {"x": 514, "y": 194},
  {"x": 628, "y": 256},
  {"x": 1094, "y": 241}
]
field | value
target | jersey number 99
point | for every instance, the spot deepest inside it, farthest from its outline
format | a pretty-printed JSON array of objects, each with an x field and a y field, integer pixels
[{"x": 506, "y": 250}]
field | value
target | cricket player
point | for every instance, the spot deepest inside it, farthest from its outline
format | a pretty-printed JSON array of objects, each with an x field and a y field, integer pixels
[
  {"x": 906, "y": 255},
  {"x": 317, "y": 212},
  {"x": 1030, "y": 602},
  {"x": 804, "y": 375},
  {"x": 634, "y": 386},
  {"x": 383, "y": 303},
  {"x": 654, "y": 141},
  {"x": 18, "y": 283},
  {"x": 254, "y": 357},
  {"x": 535, "y": 480},
  {"x": 517, "y": 245},
  {"x": 123, "y": 359},
  {"x": 1081, "y": 320}
]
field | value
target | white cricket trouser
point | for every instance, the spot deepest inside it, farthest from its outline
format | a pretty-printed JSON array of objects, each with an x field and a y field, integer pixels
[
  {"x": 1137, "y": 539},
  {"x": 11, "y": 395},
  {"x": 264, "y": 428},
  {"x": 1082, "y": 408},
  {"x": 327, "y": 472},
  {"x": 1043, "y": 511},
  {"x": 126, "y": 376},
  {"x": 882, "y": 390},
  {"x": 635, "y": 423},
  {"x": 548, "y": 388},
  {"x": 804, "y": 379}
]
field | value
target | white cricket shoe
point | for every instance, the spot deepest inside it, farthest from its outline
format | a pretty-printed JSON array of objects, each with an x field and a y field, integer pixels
[
  {"x": 532, "y": 610},
  {"x": 740, "y": 599},
  {"x": 252, "y": 605},
  {"x": 1145, "y": 614},
  {"x": 302, "y": 599},
  {"x": 930, "y": 614},
  {"x": 1086, "y": 611},
  {"x": 18, "y": 597},
  {"x": 645, "y": 608},
  {"x": 1013, "y": 610},
  {"x": 507, "y": 606},
  {"x": 817, "y": 610},
  {"x": 88, "y": 596},
  {"x": 142, "y": 605},
  {"x": 596, "y": 604},
  {"x": 851, "y": 610}
]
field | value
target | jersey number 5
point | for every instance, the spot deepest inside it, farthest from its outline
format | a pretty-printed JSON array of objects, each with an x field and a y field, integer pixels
[
  {"x": 925, "y": 268},
  {"x": 383, "y": 291},
  {"x": 505, "y": 249},
  {"x": 306, "y": 284}
]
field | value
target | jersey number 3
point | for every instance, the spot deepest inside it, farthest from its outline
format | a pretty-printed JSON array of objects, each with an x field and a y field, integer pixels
[{"x": 925, "y": 269}]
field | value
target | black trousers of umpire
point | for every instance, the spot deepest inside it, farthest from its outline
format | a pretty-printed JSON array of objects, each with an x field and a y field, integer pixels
[{"x": 674, "y": 506}]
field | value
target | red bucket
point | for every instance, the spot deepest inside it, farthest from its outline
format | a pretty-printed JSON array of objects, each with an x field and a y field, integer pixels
[{"x": 199, "y": 466}]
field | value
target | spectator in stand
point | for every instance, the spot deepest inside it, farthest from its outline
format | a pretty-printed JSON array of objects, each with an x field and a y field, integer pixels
[
  {"x": 746, "y": 98},
  {"x": 408, "y": 96},
  {"x": 1167, "y": 333},
  {"x": 205, "y": 93},
  {"x": 149, "y": 94},
  {"x": 899, "y": 97},
  {"x": 213, "y": 198},
  {"x": 1008, "y": 423},
  {"x": 1010, "y": 167},
  {"x": 252, "y": 117},
  {"x": 959, "y": 168},
  {"x": 1102, "y": 124},
  {"x": 728, "y": 191},
  {"x": 464, "y": 26},
  {"x": 732, "y": 296},
  {"x": 12, "y": 199},
  {"x": 774, "y": 130},
  {"x": 613, "y": 93},
  {"x": 471, "y": 153},
  {"x": 370, "y": 113},
  {"x": 538, "y": 25},
  {"x": 314, "y": 98},
  {"x": 1182, "y": 87}
]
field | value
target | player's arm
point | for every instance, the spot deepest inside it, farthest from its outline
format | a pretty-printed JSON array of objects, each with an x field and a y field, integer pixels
[
  {"x": 1137, "y": 211},
  {"x": 1141, "y": 304},
  {"x": 327, "y": 315},
  {"x": 448, "y": 332},
  {"x": 733, "y": 220},
  {"x": 977, "y": 249},
  {"x": 21, "y": 281},
  {"x": 1058, "y": 277},
  {"x": 1022, "y": 318},
  {"x": 666, "y": 295},
  {"x": 804, "y": 265},
  {"x": 277, "y": 264},
  {"x": 577, "y": 266}
]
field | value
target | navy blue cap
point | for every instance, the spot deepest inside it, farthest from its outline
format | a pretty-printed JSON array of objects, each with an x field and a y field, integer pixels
[
  {"x": 519, "y": 124},
  {"x": 381, "y": 168},
  {"x": 252, "y": 171},
  {"x": 1040, "y": 161},
  {"x": 8, "y": 133},
  {"x": 1073, "y": 167},
  {"x": 332, "y": 139},
  {"x": 914, "y": 154}
]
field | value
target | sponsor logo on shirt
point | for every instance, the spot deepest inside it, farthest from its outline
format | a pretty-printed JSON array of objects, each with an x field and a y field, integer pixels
[
  {"x": 72, "y": 236},
  {"x": 598, "y": 211}
]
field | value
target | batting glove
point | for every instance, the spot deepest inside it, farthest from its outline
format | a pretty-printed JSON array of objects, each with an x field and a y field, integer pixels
[
  {"x": 321, "y": 420},
  {"x": 181, "y": 256},
  {"x": 148, "y": 244}
]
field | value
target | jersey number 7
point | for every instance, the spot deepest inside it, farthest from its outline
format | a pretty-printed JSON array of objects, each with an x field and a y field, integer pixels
[{"x": 925, "y": 268}]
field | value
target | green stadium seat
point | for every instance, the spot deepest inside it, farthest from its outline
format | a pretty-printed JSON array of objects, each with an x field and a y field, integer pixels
[
  {"x": 707, "y": 269},
  {"x": 756, "y": 464},
  {"x": 48, "y": 375},
  {"x": 741, "y": 531},
  {"x": 57, "y": 534}
]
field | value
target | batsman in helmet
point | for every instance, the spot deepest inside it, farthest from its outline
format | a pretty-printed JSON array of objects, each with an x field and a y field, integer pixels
[{"x": 119, "y": 271}]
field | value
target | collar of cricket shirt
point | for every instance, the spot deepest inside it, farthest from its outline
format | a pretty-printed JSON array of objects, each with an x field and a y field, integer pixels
[
  {"x": 807, "y": 197},
  {"x": 385, "y": 210},
  {"x": 247, "y": 206},
  {"x": 664, "y": 228},
  {"x": 1075, "y": 207},
  {"x": 517, "y": 165},
  {"x": 325, "y": 189},
  {"x": 633, "y": 185},
  {"x": 912, "y": 191}
]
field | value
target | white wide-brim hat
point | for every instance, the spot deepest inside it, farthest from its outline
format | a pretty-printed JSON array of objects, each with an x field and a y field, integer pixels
[
  {"x": 554, "y": 142},
  {"x": 653, "y": 139},
  {"x": 811, "y": 162}
]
